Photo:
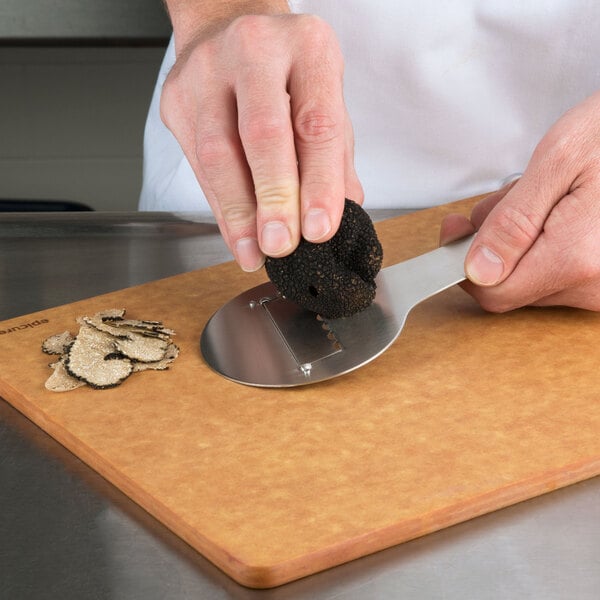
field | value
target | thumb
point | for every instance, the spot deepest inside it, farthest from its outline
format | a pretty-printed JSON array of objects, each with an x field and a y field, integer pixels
[{"x": 508, "y": 232}]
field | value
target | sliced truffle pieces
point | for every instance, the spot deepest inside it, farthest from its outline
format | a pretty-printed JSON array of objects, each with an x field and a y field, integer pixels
[
  {"x": 126, "y": 327},
  {"x": 111, "y": 314},
  {"x": 141, "y": 348},
  {"x": 334, "y": 278},
  {"x": 171, "y": 353},
  {"x": 107, "y": 349},
  {"x": 60, "y": 380},
  {"x": 92, "y": 358},
  {"x": 57, "y": 344}
]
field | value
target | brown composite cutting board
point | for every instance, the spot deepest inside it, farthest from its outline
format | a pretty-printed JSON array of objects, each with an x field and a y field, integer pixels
[{"x": 466, "y": 413}]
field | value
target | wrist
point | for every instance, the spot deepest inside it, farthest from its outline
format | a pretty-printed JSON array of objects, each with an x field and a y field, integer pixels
[{"x": 196, "y": 19}]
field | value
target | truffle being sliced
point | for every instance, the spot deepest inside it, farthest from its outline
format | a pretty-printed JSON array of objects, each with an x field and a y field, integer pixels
[{"x": 334, "y": 278}]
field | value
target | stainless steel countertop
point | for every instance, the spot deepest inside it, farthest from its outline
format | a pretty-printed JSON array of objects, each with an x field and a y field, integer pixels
[{"x": 67, "y": 533}]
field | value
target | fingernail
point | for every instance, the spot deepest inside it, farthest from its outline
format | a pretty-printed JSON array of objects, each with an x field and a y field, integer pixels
[
  {"x": 275, "y": 238},
  {"x": 316, "y": 224},
  {"x": 485, "y": 267},
  {"x": 248, "y": 254}
]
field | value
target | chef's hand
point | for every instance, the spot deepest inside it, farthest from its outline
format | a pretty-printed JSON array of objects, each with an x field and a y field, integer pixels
[
  {"x": 256, "y": 104},
  {"x": 539, "y": 239}
]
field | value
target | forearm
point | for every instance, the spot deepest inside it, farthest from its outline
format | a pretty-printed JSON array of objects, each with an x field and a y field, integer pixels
[{"x": 193, "y": 18}]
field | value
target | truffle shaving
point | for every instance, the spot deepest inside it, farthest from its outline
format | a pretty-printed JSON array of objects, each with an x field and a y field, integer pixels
[
  {"x": 111, "y": 314},
  {"x": 126, "y": 327},
  {"x": 92, "y": 359},
  {"x": 171, "y": 354},
  {"x": 107, "y": 349},
  {"x": 57, "y": 344},
  {"x": 60, "y": 380},
  {"x": 143, "y": 349}
]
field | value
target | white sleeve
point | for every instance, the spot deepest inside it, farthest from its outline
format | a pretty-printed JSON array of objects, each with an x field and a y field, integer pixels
[
  {"x": 446, "y": 99},
  {"x": 168, "y": 182}
]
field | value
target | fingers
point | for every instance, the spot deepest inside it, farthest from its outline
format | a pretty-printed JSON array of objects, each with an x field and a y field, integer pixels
[
  {"x": 507, "y": 264},
  {"x": 258, "y": 110},
  {"x": 353, "y": 187},
  {"x": 454, "y": 227},
  {"x": 294, "y": 135},
  {"x": 530, "y": 281},
  {"x": 517, "y": 220},
  {"x": 483, "y": 208},
  {"x": 230, "y": 112},
  {"x": 224, "y": 175},
  {"x": 267, "y": 137},
  {"x": 207, "y": 132},
  {"x": 562, "y": 266},
  {"x": 538, "y": 240},
  {"x": 510, "y": 225},
  {"x": 298, "y": 141},
  {"x": 320, "y": 125}
]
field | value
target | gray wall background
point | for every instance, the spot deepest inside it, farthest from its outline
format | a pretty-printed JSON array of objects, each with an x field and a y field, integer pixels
[{"x": 76, "y": 78}]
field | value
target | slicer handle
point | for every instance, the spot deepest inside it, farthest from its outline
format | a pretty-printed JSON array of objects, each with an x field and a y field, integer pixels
[{"x": 419, "y": 278}]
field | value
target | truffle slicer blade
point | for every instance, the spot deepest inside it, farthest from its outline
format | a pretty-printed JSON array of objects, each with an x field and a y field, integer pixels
[{"x": 262, "y": 339}]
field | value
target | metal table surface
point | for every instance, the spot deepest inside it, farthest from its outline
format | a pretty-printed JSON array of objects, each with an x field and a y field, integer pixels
[{"x": 67, "y": 533}]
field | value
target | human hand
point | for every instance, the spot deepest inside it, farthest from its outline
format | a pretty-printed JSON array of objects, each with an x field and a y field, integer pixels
[
  {"x": 538, "y": 240},
  {"x": 256, "y": 104}
]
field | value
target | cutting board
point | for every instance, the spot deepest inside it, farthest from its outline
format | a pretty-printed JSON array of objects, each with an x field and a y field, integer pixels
[{"x": 466, "y": 413}]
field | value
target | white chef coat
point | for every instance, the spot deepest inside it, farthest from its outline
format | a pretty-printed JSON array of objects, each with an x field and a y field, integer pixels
[{"x": 447, "y": 99}]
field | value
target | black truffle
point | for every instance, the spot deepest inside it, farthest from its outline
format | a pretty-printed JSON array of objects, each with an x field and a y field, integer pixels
[{"x": 335, "y": 278}]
